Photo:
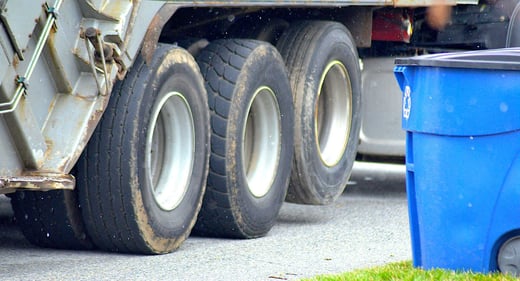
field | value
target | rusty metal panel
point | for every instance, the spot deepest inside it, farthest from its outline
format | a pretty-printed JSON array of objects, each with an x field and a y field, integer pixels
[
  {"x": 324, "y": 3},
  {"x": 61, "y": 103},
  {"x": 11, "y": 162},
  {"x": 69, "y": 90},
  {"x": 425, "y": 3},
  {"x": 21, "y": 28},
  {"x": 300, "y": 3},
  {"x": 358, "y": 20},
  {"x": 40, "y": 182}
]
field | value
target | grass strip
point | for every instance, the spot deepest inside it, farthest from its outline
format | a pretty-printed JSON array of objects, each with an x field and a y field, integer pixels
[{"x": 405, "y": 271}]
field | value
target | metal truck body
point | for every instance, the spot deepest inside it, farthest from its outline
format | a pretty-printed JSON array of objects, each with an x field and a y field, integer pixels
[{"x": 52, "y": 91}]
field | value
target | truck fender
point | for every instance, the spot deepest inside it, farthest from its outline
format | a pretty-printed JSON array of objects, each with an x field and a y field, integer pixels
[{"x": 154, "y": 30}]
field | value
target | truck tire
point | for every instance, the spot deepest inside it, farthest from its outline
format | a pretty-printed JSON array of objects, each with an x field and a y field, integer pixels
[
  {"x": 326, "y": 83},
  {"x": 251, "y": 144},
  {"x": 143, "y": 174},
  {"x": 51, "y": 219},
  {"x": 192, "y": 45}
]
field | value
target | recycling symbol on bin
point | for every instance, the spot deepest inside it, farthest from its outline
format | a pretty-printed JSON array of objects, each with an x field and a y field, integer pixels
[{"x": 407, "y": 102}]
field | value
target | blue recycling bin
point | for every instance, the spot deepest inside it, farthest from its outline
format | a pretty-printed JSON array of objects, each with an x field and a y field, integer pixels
[{"x": 461, "y": 113}]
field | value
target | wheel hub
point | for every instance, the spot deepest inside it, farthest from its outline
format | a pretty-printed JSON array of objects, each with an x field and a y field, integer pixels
[
  {"x": 261, "y": 141},
  {"x": 333, "y": 113},
  {"x": 170, "y": 148}
]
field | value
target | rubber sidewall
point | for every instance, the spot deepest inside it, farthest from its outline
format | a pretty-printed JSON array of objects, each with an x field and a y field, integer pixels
[
  {"x": 258, "y": 71},
  {"x": 178, "y": 77},
  {"x": 237, "y": 71},
  {"x": 118, "y": 204},
  {"x": 313, "y": 182}
]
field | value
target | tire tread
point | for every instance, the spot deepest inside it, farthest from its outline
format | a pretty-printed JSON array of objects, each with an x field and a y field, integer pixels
[
  {"x": 111, "y": 232},
  {"x": 50, "y": 219},
  {"x": 220, "y": 65},
  {"x": 300, "y": 46}
]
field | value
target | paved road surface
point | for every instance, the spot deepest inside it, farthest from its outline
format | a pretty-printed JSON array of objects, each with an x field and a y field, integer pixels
[{"x": 367, "y": 226}]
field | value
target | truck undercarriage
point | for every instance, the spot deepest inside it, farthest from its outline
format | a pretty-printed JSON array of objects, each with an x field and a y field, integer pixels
[{"x": 146, "y": 119}]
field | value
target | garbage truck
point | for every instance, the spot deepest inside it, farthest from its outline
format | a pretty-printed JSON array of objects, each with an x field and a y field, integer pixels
[{"x": 128, "y": 125}]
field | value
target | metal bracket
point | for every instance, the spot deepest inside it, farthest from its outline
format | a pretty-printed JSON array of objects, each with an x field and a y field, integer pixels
[
  {"x": 37, "y": 182},
  {"x": 23, "y": 81},
  {"x": 102, "y": 53}
]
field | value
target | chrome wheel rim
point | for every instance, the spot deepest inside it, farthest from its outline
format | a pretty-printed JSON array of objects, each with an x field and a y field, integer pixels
[
  {"x": 333, "y": 113},
  {"x": 170, "y": 148},
  {"x": 261, "y": 142}
]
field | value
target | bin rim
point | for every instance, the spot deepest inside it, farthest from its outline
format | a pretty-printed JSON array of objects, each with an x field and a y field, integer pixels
[{"x": 495, "y": 59}]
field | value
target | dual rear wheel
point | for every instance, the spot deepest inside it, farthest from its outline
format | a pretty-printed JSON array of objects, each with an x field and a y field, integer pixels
[
  {"x": 252, "y": 132},
  {"x": 325, "y": 78},
  {"x": 141, "y": 179},
  {"x": 281, "y": 124}
]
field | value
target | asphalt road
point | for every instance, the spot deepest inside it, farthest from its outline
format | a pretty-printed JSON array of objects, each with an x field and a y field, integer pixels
[{"x": 367, "y": 226}]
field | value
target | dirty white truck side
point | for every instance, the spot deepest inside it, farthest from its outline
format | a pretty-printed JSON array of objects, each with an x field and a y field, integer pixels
[{"x": 121, "y": 122}]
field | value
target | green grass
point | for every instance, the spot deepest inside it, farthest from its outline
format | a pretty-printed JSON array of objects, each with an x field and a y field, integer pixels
[{"x": 405, "y": 271}]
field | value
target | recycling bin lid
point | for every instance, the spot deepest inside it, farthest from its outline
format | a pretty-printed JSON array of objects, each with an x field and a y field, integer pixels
[{"x": 500, "y": 59}]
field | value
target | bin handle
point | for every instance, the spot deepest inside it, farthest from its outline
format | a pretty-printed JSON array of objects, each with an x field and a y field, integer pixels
[
  {"x": 405, "y": 89},
  {"x": 400, "y": 77}
]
